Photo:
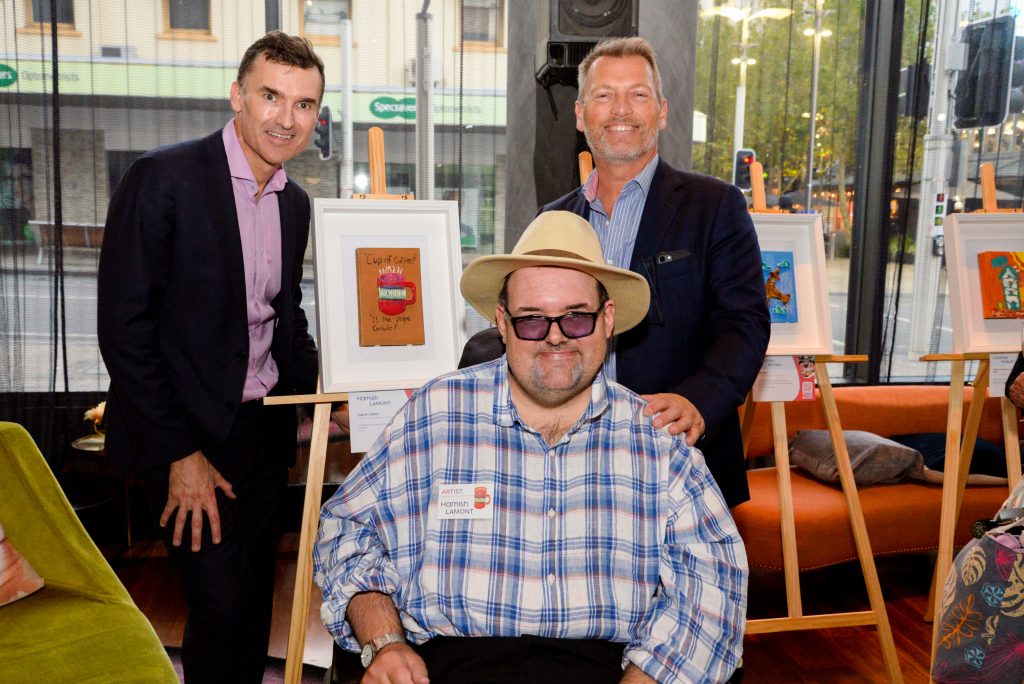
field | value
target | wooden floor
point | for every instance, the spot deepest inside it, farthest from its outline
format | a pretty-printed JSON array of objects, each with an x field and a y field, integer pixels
[{"x": 840, "y": 655}]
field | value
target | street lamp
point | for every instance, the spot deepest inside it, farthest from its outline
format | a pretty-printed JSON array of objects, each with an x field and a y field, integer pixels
[
  {"x": 744, "y": 15},
  {"x": 818, "y": 33}
]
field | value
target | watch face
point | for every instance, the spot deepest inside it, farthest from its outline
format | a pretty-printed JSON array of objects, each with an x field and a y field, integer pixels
[{"x": 366, "y": 656}]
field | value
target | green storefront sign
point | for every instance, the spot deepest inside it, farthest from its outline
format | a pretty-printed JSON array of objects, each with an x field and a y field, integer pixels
[
  {"x": 388, "y": 107},
  {"x": 8, "y": 76}
]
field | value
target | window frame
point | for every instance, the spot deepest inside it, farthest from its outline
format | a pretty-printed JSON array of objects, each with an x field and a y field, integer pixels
[
  {"x": 499, "y": 44},
  {"x": 33, "y": 26},
  {"x": 171, "y": 33},
  {"x": 319, "y": 38}
]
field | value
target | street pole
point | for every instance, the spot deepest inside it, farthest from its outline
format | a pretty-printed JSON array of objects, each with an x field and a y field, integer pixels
[
  {"x": 345, "y": 164},
  {"x": 819, "y": 13},
  {"x": 424, "y": 106},
  {"x": 741, "y": 89},
  {"x": 935, "y": 172}
]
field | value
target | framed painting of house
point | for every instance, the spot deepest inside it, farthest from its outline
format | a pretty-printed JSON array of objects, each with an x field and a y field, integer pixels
[
  {"x": 985, "y": 265},
  {"x": 389, "y": 311},
  {"x": 796, "y": 284}
]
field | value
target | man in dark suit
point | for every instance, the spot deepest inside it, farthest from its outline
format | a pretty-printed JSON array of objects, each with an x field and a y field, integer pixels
[
  {"x": 199, "y": 318},
  {"x": 697, "y": 354}
]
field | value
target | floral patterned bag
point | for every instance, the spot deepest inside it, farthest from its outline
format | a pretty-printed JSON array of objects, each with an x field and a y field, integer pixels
[{"x": 981, "y": 633}]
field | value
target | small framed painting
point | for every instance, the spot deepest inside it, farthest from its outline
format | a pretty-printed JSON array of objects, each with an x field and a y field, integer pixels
[
  {"x": 985, "y": 266},
  {"x": 795, "y": 282},
  {"x": 389, "y": 311}
]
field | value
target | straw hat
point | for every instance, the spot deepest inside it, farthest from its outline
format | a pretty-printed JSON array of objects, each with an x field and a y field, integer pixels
[{"x": 557, "y": 238}]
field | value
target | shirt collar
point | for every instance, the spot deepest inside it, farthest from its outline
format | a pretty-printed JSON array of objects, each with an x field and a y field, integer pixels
[
  {"x": 239, "y": 167},
  {"x": 504, "y": 411},
  {"x": 642, "y": 180}
]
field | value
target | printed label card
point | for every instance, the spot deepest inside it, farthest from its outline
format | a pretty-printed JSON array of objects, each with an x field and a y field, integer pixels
[{"x": 786, "y": 378}]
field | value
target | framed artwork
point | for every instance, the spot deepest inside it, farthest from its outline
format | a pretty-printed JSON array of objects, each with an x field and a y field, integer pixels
[
  {"x": 796, "y": 285},
  {"x": 984, "y": 255},
  {"x": 389, "y": 311}
]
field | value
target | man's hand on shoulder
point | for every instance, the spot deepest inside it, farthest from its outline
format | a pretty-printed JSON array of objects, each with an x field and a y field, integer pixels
[
  {"x": 191, "y": 489},
  {"x": 634, "y": 675},
  {"x": 676, "y": 414},
  {"x": 1016, "y": 393},
  {"x": 396, "y": 664}
]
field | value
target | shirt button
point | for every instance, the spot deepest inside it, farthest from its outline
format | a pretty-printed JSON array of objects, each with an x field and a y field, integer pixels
[
  {"x": 551, "y": 453},
  {"x": 551, "y": 579},
  {"x": 551, "y": 512}
]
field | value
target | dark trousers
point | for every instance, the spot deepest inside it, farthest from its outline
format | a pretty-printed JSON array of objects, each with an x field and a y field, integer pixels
[
  {"x": 229, "y": 586},
  {"x": 521, "y": 660}
]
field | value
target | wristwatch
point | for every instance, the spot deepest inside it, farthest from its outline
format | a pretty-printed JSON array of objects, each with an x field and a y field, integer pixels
[{"x": 373, "y": 646}]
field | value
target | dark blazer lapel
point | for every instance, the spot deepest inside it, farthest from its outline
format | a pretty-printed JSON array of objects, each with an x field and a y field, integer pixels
[
  {"x": 219, "y": 195},
  {"x": 286, "y": 210},
  {"x": 667, "y": 192}
]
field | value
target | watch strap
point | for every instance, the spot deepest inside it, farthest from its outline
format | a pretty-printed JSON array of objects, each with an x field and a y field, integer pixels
[{"x": 377, "y": 643}]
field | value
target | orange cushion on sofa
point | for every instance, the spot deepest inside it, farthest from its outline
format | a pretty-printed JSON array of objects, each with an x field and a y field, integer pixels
[{"x": 900, "y": 518}]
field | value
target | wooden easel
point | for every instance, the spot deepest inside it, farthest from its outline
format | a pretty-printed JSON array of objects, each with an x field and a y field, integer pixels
[
  {"x": 318, "y": 455},
  {"x": 959, "y": 451},
  {"x": 796, "y": 620}
]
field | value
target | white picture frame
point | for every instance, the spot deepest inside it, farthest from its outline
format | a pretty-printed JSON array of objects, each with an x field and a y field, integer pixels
[
  {"x": 339, "y": 228},
  {"x": 802, "y": 235},
  {"x": 965, "y": 236}
]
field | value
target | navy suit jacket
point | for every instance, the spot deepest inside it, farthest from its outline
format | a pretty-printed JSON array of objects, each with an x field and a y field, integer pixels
[
  {"x": 1018, "y": 368},
  {"x": 172, "y": 318},
  {"x": 707, "y": 328}
]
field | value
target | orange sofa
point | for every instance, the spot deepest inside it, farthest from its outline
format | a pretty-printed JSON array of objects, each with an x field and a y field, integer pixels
[{"x": 900, "y": 518}]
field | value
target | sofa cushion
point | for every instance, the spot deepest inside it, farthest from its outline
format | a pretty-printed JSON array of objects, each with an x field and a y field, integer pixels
[
  {"x": 17, "y": 578},
  {"x": 875, "y": 460},
  {"x": 901, "y": 518}
]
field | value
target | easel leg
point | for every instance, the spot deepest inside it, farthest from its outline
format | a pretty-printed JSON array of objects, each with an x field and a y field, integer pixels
[
  {"x": 860, "y": 531},
  {"x": 787, "y": 520},
  {"x": 310, "y": 521},
  {"x": 947, "y": 519},
  {"x": 970, "y": 437},
  {"x": 747, "y": 423},
  {"x": 1011, "y": 440}
]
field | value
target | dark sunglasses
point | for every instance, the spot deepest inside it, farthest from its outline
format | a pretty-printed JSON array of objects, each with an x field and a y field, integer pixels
[{"x": 573, "y": 325}]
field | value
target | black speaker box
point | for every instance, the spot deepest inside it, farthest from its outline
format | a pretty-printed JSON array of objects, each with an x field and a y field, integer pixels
[{"x": 568, "y": 29}]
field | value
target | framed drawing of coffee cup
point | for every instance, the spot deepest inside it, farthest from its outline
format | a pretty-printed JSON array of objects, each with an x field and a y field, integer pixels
[{"x": 389, "y": 311}]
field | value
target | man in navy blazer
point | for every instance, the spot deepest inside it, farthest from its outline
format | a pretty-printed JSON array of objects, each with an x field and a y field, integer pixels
[
  {"x": 697, "y": 354},
  {"x": 199, "y": 318}
]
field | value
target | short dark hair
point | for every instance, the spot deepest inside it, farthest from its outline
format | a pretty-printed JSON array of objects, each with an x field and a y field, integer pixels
[
  {"x": 633, "y": 46},
  {"x": 602, "y": 293},
  {"x": 280, "y": 48}
]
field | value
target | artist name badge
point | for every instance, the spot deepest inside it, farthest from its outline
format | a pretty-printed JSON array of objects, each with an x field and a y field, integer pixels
[{"x": 465, "y": 501}]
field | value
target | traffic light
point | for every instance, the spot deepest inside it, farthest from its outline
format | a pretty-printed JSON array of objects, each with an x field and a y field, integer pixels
[
  {"x": 741, "y": 168},
  {"x": 983, "y": 87},
  {"x": 322, "y": 133}
]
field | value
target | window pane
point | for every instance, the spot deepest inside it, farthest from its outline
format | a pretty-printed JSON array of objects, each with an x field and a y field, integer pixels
[
  {"x": 321, "y": 17},
  {"x": 65, "y": 11},
  {"x": 189, "y": 14}
]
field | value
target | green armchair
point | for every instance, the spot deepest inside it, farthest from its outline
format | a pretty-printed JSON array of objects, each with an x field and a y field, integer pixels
[{"x": 82, "y": 625}]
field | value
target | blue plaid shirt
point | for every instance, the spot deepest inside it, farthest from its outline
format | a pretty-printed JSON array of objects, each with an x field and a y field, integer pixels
[{"x": 617, "y": 532}]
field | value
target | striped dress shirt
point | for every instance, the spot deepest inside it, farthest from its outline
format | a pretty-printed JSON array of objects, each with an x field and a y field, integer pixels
[
  {"x": 618, "y": 233},
  {"x": 616, "y": 532}
]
